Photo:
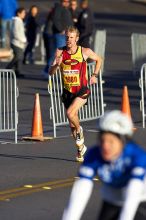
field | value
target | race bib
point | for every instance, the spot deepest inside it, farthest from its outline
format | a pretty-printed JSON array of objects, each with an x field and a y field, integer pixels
[{"x": 71, "y": 78}]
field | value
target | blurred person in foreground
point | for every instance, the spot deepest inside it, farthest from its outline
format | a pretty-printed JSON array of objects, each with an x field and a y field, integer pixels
[
  {"x": 72, "y": 61},
  {"x": 120, "y": 165},
  {"x": 7, "y": 12},
  {"x": 74, "y": 11},
  {"x": 31, "y": 34},
  {"x": 18, "y": 41},
  {"x": 85, "y": 24}
]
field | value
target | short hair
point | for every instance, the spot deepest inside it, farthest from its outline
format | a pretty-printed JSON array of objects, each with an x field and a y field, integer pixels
[
  {"x": 72, "y": 29},
  {"x": 74, "y": 1},
  {"x": 19, "y": 10},
  {"x": 85, "y": 1}
]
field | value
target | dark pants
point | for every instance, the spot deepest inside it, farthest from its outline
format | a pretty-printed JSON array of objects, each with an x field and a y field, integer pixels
[
  {"x": 112, "y": 212},
  {"x": 16, "y": 62},
  {"x": 29, "y": 50},
  {"x": 49, "y": 43}
]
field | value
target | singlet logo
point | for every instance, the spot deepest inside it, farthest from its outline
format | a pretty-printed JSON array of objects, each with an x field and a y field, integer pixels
[{"x": 71, "y": 62}]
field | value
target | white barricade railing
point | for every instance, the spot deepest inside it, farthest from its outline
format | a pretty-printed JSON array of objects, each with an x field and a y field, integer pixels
[
  {"x": 138, "y": 47},
  {"x": 142, "y": 84},
  {"x": 8, "y": 102},
  {"x": 100, "y": 44},
  {"x": 93, "y": 110}
]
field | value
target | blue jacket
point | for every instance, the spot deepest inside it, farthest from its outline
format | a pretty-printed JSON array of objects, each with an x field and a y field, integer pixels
[
  {"x": 8, "y": 8},
  {"x": 131, "y": 164}
]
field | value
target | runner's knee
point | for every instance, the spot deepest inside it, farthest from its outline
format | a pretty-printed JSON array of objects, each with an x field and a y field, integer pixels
[{"x": 71, "y": 113}]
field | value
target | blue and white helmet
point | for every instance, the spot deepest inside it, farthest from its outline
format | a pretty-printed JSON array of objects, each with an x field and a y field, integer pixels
[{"x": 116, "y": 122}]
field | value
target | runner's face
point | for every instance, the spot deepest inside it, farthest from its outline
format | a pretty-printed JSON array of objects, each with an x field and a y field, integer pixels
[
  {"x": 71, "y": 39},
  {"x": 111, "y": 146}
]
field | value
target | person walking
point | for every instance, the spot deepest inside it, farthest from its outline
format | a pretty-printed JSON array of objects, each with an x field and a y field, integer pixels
[
  {"x": 75, "y": 12},
  {"x": 72, "y": 61},
  {"x": 61, "y": 20},
  {"x": 18, "y": 41},
  {"x": 7, "y": 12},
  {"x": 85, "y": 24},
  {"x": 49, "y": 41},
  {"x": 31, "y": 34},
  {"x": 120, "y": 165}
]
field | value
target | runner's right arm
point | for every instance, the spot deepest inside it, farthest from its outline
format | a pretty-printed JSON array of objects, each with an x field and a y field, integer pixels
[
  {"x": 80, "y": 195},
  {"x": 56, "y": 63},
  {"x": 81, "y": 191}
]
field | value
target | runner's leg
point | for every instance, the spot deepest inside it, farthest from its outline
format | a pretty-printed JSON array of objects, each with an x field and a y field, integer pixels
[{"x": 72, "y": 112}]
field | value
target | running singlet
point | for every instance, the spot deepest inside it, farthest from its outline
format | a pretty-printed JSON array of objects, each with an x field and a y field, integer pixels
[
  {"x": 74, "y": 71},
  {"x": 131, "y": 164}
]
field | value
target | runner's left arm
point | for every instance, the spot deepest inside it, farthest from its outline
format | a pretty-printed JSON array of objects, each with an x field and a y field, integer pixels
[
  {"x": 98, "y": 61},
  {"x": 89, "y": 54}
]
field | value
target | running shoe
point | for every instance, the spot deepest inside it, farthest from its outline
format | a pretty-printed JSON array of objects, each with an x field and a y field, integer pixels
[
  {"x": 80, "y": 138},
  {"x": 81, "y": 153}
]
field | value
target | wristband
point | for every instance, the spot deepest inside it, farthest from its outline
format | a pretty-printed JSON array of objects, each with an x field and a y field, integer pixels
[{"x": 94, "y": 74}]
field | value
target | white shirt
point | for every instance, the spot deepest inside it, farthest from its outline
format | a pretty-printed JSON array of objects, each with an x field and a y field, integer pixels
[{"x": 18, "y": 37}]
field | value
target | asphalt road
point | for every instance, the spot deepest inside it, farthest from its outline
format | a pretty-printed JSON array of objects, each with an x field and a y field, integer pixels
[{"x": 36, "y": 177}]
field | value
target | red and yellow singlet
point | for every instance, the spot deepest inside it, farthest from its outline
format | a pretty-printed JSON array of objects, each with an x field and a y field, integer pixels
[{"x": 74, "y": 71}]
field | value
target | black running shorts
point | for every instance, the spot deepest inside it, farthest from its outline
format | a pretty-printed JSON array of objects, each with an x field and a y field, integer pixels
[{"x": 68, "y": 97}]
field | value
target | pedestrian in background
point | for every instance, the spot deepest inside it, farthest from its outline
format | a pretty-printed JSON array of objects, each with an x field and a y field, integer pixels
[
  {"x": 31, "y": 34},
  {"x": 85, "y": 24},
  {"x": 61, "y": 20},
  {"x": 74, "y": 11},
  {"x": 49, "y": 41},
  {"x": 18, "y": 41},
  {"x": 7, "y": 12}
]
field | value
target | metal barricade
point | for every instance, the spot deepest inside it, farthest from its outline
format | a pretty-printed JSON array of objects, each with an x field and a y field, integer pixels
[
  {"x": 100, "y": 44},
  {"x": 93, "y": 110},
  {"x": 142, "y": 84},
  {"x": 8, "y": 102},
  {"x": 138, "y": 46}
]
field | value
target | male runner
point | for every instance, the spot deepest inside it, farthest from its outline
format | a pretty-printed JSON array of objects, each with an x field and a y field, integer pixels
[
  {"x": 120, "y": 164},
  {"x": 72, "y": 61}
]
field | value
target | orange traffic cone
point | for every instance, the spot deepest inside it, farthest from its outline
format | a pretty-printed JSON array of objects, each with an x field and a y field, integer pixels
[
  {"x": 125, "y": 108},
  {"x": 37, "y": 128}
]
